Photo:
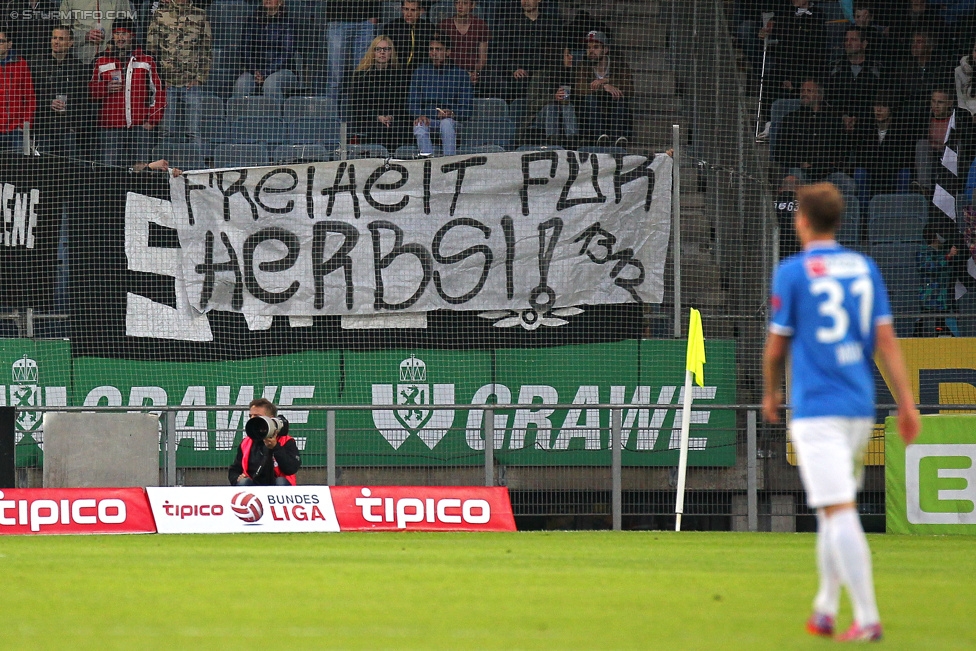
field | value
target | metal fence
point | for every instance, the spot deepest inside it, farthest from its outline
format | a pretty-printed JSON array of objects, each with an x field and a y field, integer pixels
[{"x": 760, "y": 492}]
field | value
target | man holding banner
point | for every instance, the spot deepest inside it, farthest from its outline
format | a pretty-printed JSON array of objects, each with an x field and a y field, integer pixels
[{"x": 830, "y": 310}]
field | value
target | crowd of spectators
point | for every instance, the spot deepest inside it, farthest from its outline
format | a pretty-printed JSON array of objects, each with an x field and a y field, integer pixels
[
  {"x": 861, "y": 93},
  {"x": 99, "y": 81}
]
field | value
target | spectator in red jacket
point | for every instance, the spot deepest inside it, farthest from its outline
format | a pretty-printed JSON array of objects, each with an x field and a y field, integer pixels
[
  {"x": 16, "y": 94},
  {"x": 131, "y": 96}
]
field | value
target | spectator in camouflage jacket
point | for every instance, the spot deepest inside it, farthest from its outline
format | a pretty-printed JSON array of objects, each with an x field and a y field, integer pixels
[{"x": 179, "y": 38}]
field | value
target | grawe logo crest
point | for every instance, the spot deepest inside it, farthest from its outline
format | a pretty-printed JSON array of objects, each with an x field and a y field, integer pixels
[
  {"x": 417, "y": 397},
  {"x": 414, "y": 393},
  {"x": 25, "y": 392},
  {"x": 247, "y": 507}
]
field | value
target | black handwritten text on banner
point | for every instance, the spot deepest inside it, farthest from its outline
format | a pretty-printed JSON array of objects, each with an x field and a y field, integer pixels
[{"x": 501, "y": 231}]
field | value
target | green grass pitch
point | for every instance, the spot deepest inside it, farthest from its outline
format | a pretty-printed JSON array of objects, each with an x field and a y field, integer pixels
[{"x": 532, "y": 590}]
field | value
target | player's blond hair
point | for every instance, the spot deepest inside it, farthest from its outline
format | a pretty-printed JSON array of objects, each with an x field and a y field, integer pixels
[{"x": 822, "y": 204}]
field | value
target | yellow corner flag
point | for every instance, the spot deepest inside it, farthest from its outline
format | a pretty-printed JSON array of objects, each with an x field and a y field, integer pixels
[{"x": 696, "y": 347}]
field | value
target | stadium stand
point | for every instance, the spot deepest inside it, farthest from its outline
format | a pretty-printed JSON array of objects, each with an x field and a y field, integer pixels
[
  {"x": 253, "y": 128},
  {"x": 312, "y": 120},
  {"x": 897, "y": 218},
  {"x": 248, "y": 106},
  {"x": 241, "y": 155},
  {"x": 288, "y": 154},
  {"x": 186, "y": 156},
  {"x": 367, "y": 151}
]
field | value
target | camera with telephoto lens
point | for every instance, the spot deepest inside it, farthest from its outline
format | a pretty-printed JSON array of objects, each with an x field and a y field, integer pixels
[{"x": 263, "y": 427}]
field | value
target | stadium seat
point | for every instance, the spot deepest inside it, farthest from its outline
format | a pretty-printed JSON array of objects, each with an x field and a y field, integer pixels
[
  {"x": 477, "y": 132},
  {"x": 897, "y": 218},
  {"x": 238, "y": 155},
  {"x": 849, "y": 233},
  {"x": 226, "y": 18},
  {"x": 213, "y": 126},
  {"x": 389, "y": 11},
  {"x": 186, "y": 155},
  {"x": 258, "y": 129},
  {"x": 603, "y": 150},
  {"x": 540, "y": 148},
  {"x": 439, "y": 11},
  {"x": 777, "y": 113},
  {"x": 252, "y": 106},
  {"x": 367, "y": 151},
  {"x": 490, "y": 108},
  {"x": 481, "y": 149},
  {"x": 287, "y": 154},
  {"x": 223, "y": 71},
  {"x": 899, "y": 268},
  {"x": 311, "y": 120},
  {"x": 490, "y": 124},
  {"x": 407, "y": 152}
]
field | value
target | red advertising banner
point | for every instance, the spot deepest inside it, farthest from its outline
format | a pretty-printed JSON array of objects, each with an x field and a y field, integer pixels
[
  {"x": 422, "y": 508},
  {"x": 75, "y": 510}
]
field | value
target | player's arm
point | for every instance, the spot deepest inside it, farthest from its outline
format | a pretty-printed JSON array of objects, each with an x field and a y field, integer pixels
[
  {"x": 894, "y": 366},
  {"x": 774, "y": 367}
]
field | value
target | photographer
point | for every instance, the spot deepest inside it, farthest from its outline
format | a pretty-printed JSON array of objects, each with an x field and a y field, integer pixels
[{"x": 268, "y": 455}]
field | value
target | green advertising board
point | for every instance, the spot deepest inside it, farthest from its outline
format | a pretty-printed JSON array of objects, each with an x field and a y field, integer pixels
[
  {"x": 209, "y": 438},
  {"x": 419, "y": 381},
  {"x": 930, "y": 486},
  {"x": 634, "y": 372},
  {"x": 36, "y": 373}
]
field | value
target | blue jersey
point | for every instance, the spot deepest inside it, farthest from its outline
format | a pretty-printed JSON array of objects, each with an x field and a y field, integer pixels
[{"x": 829, "y": 299}]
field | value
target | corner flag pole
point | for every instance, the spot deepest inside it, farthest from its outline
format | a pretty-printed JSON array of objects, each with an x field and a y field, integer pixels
[{"x": 694, "y": 365}]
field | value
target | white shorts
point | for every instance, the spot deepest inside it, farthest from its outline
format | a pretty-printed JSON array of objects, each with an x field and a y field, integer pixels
[{"x": 830, "y": 453}]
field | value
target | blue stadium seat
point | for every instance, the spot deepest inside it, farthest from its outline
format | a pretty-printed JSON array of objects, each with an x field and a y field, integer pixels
[
  {"x": 897, "y": 218},
  {"x": 367, "y": 151},
  {"x": 439, "y": 11},
  {"x": 849, "y": 233},
  {"x": 252, "y": 106},
  {"x": 184, "y": 155},
  {"x": 311, "y": 120},
  {"x": 490, "y": 124},
  {"x": 540, "y": 148},
  {"x": 238, "y": 155},
  {"x": 213, "y": 126},
  {"x": 490, "y": 108},
  {"x": 390, "y": 10},
  {"x": 898, "y": 264},
  {"x": 487, "y": 128},
  {"x": 224, "y": 71},
  {"x": 407, "y": 152},
  {"x": 226, "y": 18},
  {"x": 288, "y": 154},
  {"x": 603, "y": 150},
  {"x": 258, "y": 129},
  {"x": 480, "y": 149},
  {"x": 777, "y": 113}
]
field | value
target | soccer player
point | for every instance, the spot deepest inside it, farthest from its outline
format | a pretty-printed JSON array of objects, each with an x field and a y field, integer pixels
[{"x": 830, "y": 311}]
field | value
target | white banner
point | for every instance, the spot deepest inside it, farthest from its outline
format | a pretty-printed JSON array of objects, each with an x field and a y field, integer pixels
[
  {"x": 245, "y": 509},
  {"x": 488, "y": 232}
]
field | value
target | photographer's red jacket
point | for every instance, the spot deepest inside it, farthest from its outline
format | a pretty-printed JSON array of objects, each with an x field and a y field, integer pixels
[
  {"x": 143, "y": 99},
  {"x": 284, "y": 461}
]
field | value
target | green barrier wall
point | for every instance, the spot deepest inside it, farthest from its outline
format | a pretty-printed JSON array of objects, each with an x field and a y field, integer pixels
[
  {"x": 930, "y": 486},
  {"x": 419, "y": 433}
]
